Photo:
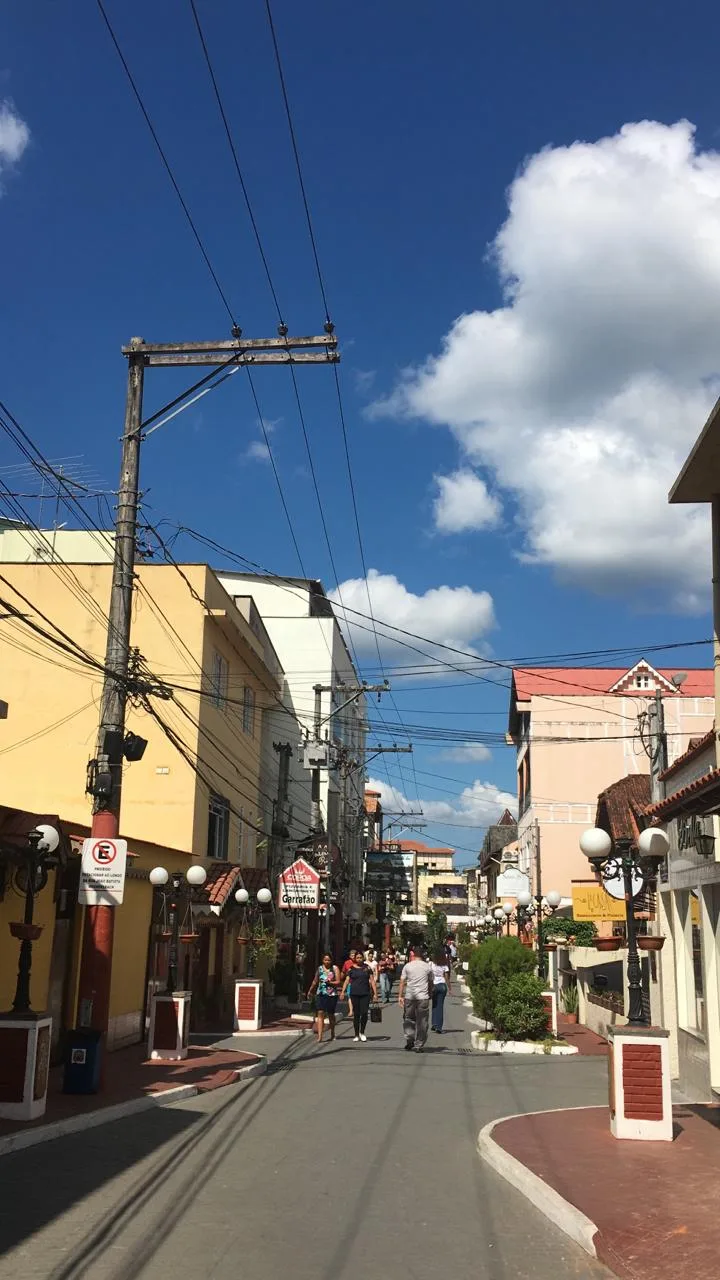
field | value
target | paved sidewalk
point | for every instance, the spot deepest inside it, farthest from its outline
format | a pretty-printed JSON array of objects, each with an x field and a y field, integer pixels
[
  {"x": 585, "y": 1041},
  {"x": 129, "y": 1076},
  {"x": 652, "y": 1202}
]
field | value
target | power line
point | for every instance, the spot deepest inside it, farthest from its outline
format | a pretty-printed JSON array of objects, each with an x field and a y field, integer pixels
[{"x": 166, "y": 164}]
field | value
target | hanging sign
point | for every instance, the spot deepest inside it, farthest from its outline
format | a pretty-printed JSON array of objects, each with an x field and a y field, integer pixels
[
  {"x": 591, "y": 902},
  {"x": 102, "y": 873},
  {"x": 299, "y": 887},
  {"x": 511, "y": 882}
]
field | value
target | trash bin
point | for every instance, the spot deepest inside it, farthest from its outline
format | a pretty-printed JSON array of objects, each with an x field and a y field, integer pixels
[{"x": 82, "y": 1062}]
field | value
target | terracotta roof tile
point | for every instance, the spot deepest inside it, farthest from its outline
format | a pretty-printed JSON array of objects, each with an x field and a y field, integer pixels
[
  {"x": 222, "y": 878},
  {"x": 695, "y": 747},
  {"x": 570, "y": 682},
  {"x": 674, "y": 803},
  {"x": 621, "y": 804}
]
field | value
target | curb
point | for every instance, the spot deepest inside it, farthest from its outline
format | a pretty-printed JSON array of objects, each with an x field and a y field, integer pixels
[
  {"x": 564, "y": 1215},
  {"x": 290, "y": 1033},
  {"x": 106, "y": 1115}
]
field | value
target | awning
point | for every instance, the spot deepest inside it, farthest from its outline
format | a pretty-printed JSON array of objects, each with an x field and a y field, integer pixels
[{"x": 701, "y": 797}]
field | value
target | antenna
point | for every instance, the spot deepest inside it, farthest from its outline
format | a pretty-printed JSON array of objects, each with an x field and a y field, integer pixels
[{"x": 679, "y": 678}]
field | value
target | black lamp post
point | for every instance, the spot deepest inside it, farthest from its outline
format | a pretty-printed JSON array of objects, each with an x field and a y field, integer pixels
[
  {"x": 41, "y": 844},
  {"x": 632, "y": 867},
  {"x": 181, "y": 888}
]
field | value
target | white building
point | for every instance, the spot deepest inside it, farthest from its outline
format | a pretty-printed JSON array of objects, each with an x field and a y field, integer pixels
[{"x": 306, "y": 636}]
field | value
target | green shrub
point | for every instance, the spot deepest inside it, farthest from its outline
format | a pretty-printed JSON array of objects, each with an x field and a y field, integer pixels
[
  {"x": 583, "y": 931},
  {"x": 491, "y": 962},
  {"x": 465, "y": 951},
  {"x": 520, "y": 1012}
]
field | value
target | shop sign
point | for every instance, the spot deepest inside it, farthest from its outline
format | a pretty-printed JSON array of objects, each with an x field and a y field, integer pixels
[
  {"x": 591, "y": 902},
  {"x": 299, "y": 887}
]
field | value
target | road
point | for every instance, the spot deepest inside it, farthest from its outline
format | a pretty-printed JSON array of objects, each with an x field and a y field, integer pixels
[{"x": 345, "y": 1160}]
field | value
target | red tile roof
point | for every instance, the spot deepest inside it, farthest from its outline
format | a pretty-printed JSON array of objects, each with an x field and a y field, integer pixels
[
  {"x": 571, "y": 682},
  {"x": 222, "y": 879},
  {"x": 621, "y": 804},
  {"x": 689, "y": 798},
  {"x": 413, "y": 846},
  {"x": 695, "y": 748}
]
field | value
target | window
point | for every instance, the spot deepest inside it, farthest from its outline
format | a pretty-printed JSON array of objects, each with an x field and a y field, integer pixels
[
  {"x": 219, "y": 681},
  {"x": 642, "y": 682},
  {"x": 249, "y": 710},
  {"x": 218, "y": 828}
]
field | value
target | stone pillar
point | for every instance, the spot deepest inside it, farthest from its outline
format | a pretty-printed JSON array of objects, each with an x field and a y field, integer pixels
[
  {"x": 24, "y": 1063},
  {"x": 639, "y": 1078},
  {"x": 247, "y": 1014},
  {"x": 170, "y": 1026},
  {"x": 550, "y": 1000}
]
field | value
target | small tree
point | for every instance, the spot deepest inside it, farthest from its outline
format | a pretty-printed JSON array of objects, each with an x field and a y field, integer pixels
[
  {"x": 436, "y": 930},
  {"x": 520, "y": 1012},
  {"x": 490, "y": 962}
]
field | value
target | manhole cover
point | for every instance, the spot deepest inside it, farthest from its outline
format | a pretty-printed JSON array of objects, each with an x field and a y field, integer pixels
[{"x": 279, "y": 1066}]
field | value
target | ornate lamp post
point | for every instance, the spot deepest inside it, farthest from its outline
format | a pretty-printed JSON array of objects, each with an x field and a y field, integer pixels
[
  {"x": 539, "y": 907},
  {"x": 625, "y": 870},
  {"x": 181, "y": 887},
  {"x": 42, "y": 843}
]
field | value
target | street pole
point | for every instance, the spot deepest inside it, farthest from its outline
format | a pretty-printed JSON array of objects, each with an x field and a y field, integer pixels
[
  {"x": 97, "y": 942},
  {"x": 94, "y": 979},
  {"x": 636, "y": 1013},
  {"x": 658, "y": 746},
  {"x": 538, "y": 902},
  {"x": 279, "y": 830}
]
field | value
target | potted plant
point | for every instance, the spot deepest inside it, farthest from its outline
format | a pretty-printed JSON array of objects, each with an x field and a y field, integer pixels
[
  {"x": 607, "y": 944},
  {"x": 648, "y": 943},
  {"x": 570, "y": 1001},
  {"x": 189, "y": 938}
]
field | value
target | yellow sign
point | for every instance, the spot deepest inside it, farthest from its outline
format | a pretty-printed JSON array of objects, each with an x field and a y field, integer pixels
[{"x": 591, "y": 902}]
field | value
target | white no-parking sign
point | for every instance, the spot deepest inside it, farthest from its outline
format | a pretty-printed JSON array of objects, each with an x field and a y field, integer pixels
[{"x": 102, "y": 873}]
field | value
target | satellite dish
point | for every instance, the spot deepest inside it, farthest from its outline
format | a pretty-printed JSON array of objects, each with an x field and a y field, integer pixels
[{"x": 679, "y": 678}]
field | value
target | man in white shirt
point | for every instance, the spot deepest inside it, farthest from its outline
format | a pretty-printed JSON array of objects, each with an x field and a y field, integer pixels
[{"x": 416, "y": 984}]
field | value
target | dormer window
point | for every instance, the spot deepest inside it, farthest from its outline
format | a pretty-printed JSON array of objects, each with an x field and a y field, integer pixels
[{"x": 642, "y": 681}]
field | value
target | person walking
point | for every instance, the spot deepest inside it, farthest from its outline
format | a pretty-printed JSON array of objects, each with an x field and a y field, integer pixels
[
  {"x": 361, "y": 982},
  {"x": 326, "y": 983},
  {"x": 441, "y": 985},
  {"x": 345, "y": 971},
  {"x": 385, "y": 977},
  {"x": 414, "y": 996}
]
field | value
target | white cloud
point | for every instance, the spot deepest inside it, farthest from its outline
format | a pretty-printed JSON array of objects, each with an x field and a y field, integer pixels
[
  {"x": 583, "y": 392},
  {"x": 463, "y": 503},
  {"x": 468, "y": 753},
  {"x": 457, "y": 616},
  {"x": 479, "y": 805},
  {"x": 14, "y": 136},
  {"x": 257, "y": 451}
]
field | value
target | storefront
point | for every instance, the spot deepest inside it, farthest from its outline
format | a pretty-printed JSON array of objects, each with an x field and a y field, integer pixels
[{"x": 689, "y": 918}]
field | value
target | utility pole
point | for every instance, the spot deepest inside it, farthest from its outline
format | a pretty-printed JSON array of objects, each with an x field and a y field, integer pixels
[
  {"x": 658, "y": 745},
  {"x": 106, "y": 774},
  {"x": 320, "y": 760},
  {"x": 279, "y": 830}
]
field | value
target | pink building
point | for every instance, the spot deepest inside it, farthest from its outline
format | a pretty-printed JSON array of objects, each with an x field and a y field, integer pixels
[{"x": 577, "y": 730}]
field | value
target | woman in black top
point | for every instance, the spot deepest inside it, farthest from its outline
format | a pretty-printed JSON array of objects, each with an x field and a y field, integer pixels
[{"x": 363, "y": 987}]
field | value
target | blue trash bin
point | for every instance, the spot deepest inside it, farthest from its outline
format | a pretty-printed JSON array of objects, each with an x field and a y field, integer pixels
[{"x": 82, "y": 1062}]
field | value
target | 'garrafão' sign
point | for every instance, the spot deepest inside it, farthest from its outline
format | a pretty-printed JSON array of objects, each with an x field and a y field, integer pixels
[{"x": 299, "y": 887}]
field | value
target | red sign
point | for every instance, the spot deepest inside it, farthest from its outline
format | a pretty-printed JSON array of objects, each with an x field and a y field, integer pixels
[
  {"x": 299, "y": 887},
  {"x": 104, "y": 852}
]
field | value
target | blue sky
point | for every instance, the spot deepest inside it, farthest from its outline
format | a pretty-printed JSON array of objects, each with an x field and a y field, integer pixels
[{"x": 566, "y": 402}]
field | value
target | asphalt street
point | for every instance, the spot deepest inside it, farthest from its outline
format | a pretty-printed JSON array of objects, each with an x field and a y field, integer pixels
[{"x": 346, "y": 1159}]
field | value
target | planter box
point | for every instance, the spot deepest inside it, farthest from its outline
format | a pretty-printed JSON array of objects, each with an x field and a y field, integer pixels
[{"x": 482, "y": 1045}]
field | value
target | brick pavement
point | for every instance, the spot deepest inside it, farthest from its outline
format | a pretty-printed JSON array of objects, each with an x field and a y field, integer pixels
[
  {"x": 653, "y": 1202},
  {"x": 587, "y": 1043},
  {"x": 128, "y": 1075}
]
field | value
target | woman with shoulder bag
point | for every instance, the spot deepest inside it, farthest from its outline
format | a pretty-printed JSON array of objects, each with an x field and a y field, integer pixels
[
  {"x": 361, "y": 980},
  {"x": 441, "y": 986},
  {"x": 326, "y": 982}
]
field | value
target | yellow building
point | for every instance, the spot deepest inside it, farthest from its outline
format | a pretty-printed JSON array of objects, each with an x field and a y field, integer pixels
[{"x": 199, "y": 791}]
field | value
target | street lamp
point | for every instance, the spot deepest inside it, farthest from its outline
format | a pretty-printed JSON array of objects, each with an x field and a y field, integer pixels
[
  {"x": 42, "y": 842},
  {"x": 540, "y": 906},
  {"x": 182, "y": 886},
  {"x": 625, "y": 870}
]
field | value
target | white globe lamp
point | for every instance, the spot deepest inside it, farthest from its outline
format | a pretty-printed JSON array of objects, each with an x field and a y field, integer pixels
[
  {"x": 264, "y": 897},
  {"x": 242, "y": 897},
  {"x": 159, "y": 876},
  {"x": 196, "y": 875}
]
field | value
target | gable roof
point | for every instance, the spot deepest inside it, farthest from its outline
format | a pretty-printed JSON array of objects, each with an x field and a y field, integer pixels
[
  {"x": 621, "y": 804},
  {"x": 416, "y": 846},
  {"x": 696, "y": 746},
  {"x": 572, "y": 682}
]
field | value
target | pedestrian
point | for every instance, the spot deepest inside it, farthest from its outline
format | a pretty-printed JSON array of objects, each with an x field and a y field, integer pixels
[
  {"x": 441, "y": 985},
  {"x": 414, "y": 996},
  {"x": 392, "y": 964},
  {"x": 326, "y": 983},
  {"x": 385, "y": 977},
  {"x": 372, "y": 962},
  {"x": 345, "y": 971},
  {"x": 361, "y": 982}
]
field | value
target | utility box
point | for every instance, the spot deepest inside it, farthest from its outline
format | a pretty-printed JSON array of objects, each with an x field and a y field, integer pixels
[{"x": 83, "y": 1058}]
